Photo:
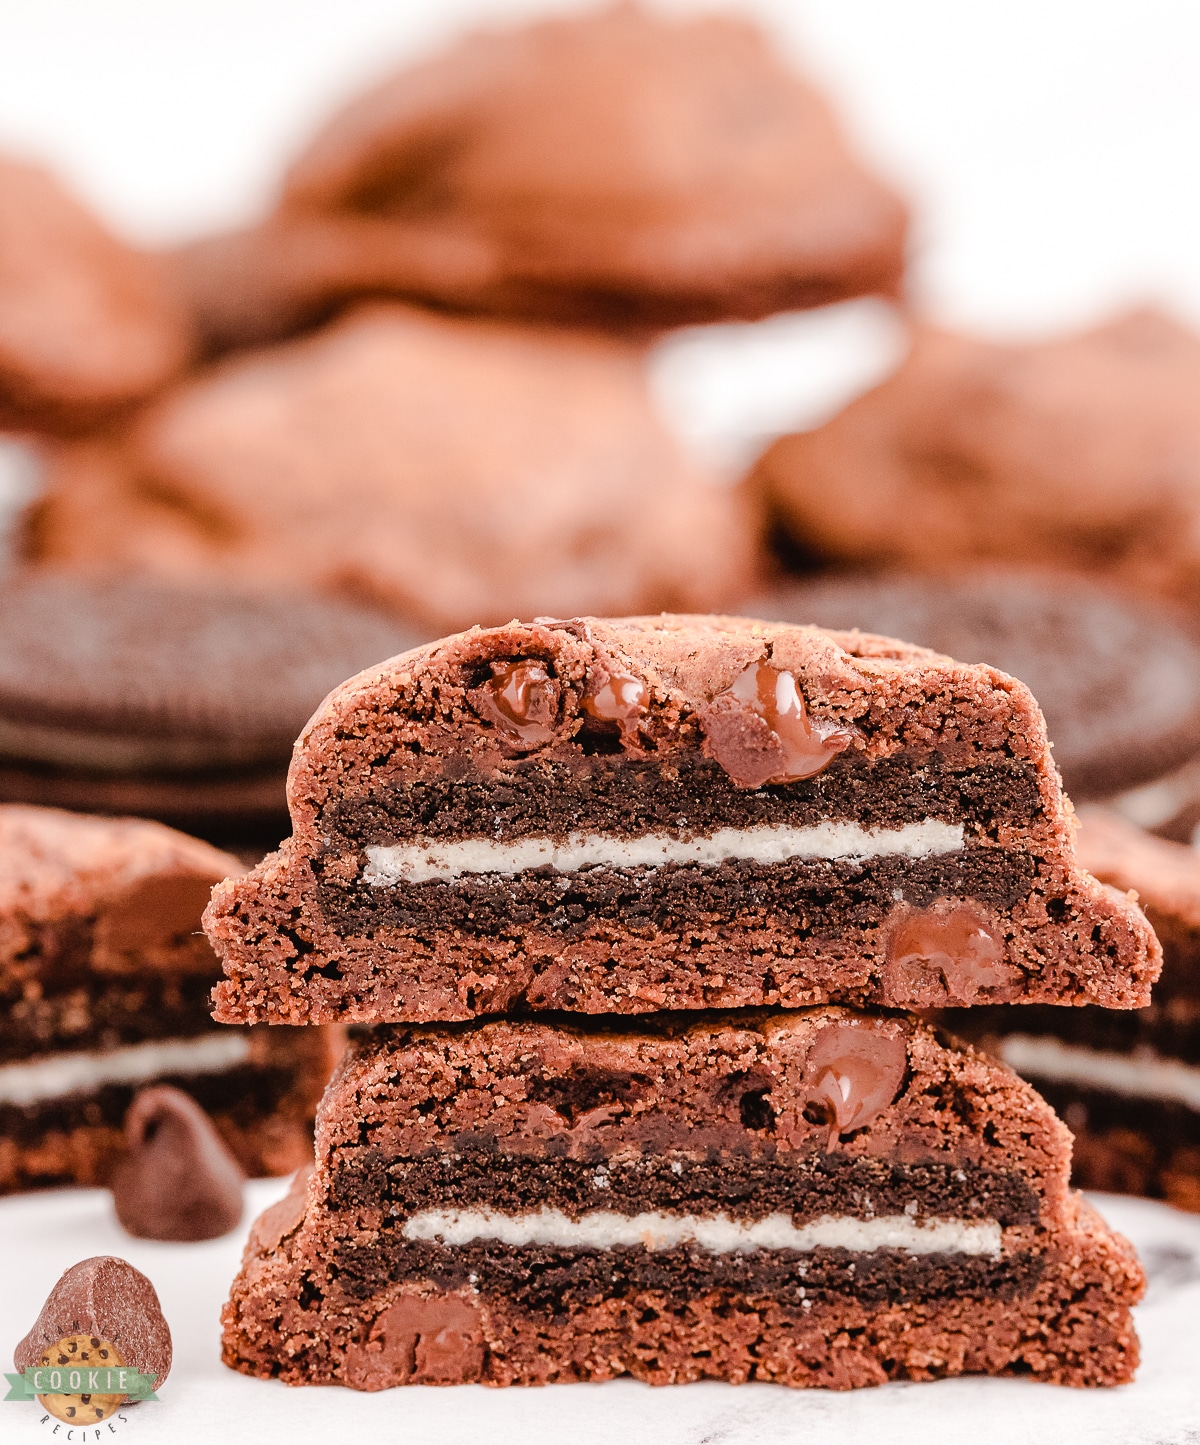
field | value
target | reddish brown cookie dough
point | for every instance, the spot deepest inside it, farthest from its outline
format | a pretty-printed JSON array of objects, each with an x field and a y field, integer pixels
[
  {"x": 452, "y": 471},
  {"x": 414, "y": 758},
  {"x": 1079, "y": 451},
  {"x": 87, "y": 324},
  {"x": 1164, "y": 875},
  {"x": 100, "y": 953},
  {"x": 355, "y": 1278},
  {"x": 1128, "y": 1084},
  {"x": 618, "y": 167}
]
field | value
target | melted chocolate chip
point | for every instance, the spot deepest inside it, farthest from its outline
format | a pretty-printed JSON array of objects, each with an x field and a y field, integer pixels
[
  {"x": 760, "y": 731},
  {"x": 949, "y": 953},
  {"x": 619, "y": 698},
  {"x": 155, "y": 913},
  {"x": 520, "y": 698},
  {"x": 435, "y": 1341},
  {"x": 852, "y": 1073},
  {"x": 105, "y": 1299},
  {"x": 178, "y": 1181}
]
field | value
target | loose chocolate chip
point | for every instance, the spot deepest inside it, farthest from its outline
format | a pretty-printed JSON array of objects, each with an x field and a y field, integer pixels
[
  {"x": 760, "y": 731},
  {"x": 852, "y": 1073},
  {"x": 521, "y": 699},
  {"x": 105, "y": 1298},
  {"x": 178, "y": 1181},
  {"x": 948, "y": 953}
]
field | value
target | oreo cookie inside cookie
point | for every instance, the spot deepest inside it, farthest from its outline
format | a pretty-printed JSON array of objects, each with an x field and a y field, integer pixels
[{"x": 1118, "y": 678}]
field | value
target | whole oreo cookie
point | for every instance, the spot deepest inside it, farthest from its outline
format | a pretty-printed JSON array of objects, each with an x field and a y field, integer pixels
[
  {"x": 179, "y": 703},
  {"x": 1117, "y": 678}
]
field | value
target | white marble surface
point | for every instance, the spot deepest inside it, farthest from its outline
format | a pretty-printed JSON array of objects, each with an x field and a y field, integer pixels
[{"x": 41, "y": 1235}]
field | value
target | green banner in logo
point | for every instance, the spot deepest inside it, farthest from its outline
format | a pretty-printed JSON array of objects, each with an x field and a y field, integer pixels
[{"x": 37, "y": 1380}]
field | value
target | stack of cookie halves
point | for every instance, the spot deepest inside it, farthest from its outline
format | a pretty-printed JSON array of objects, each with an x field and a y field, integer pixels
[{"x": 638, "y": 912}]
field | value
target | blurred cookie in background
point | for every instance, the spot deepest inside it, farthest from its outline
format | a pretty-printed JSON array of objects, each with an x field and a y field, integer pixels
[
  {"x": 1127, "y": 1084},
  {"x": 1081, "y": 451},
  {"x": 88, "y": 324},
  {"x": 1118, "y": 678},
  {"x": 1168, "y": 806},
  {"x": 105, "y": 979},
  {"x": 620, "y": 167},
  {"x": 453, "y": 471},
  {"x": 21, "y": 467},
  {"x": 131, "y": 695}
]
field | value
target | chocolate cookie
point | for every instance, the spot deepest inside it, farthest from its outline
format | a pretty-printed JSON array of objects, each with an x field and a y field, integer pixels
[
  {"x": 619, "y": 167},
  {"x": 104, "y": 988},
  {"x": 455, "y": 471},
  {"x": 1128, "y": 1084},
  {"x": 1083, "y": 451},
  {"x": 87, "y": 324},
  {"x": 127, "y": 695},
  {"x": 819, "y": 1198},
  {"x": 672, "y": 813},
  {"x": 1117, "y": 678}
]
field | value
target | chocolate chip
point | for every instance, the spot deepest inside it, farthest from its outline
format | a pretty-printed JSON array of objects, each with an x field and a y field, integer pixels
[
  {"x": 760, "y": 732},
  {"x": 948, "y": 953},
  {"x": 852, "y": 1073},
  {"x": 178, "y": 1181},
  {"x": 521, "y": 699},
  {"x": 436, "y": 1341},
  {"x": 105, "y": 1298},
  {"x": 618, "y": 697}
]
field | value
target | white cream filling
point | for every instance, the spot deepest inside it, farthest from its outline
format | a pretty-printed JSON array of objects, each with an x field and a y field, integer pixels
[
  {"x": 57, "y": 1075},
  {"x": 1143, "y": 1076},
  {"x": 602, "y": 1229},
  {"x": 768, "y": 843}
]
